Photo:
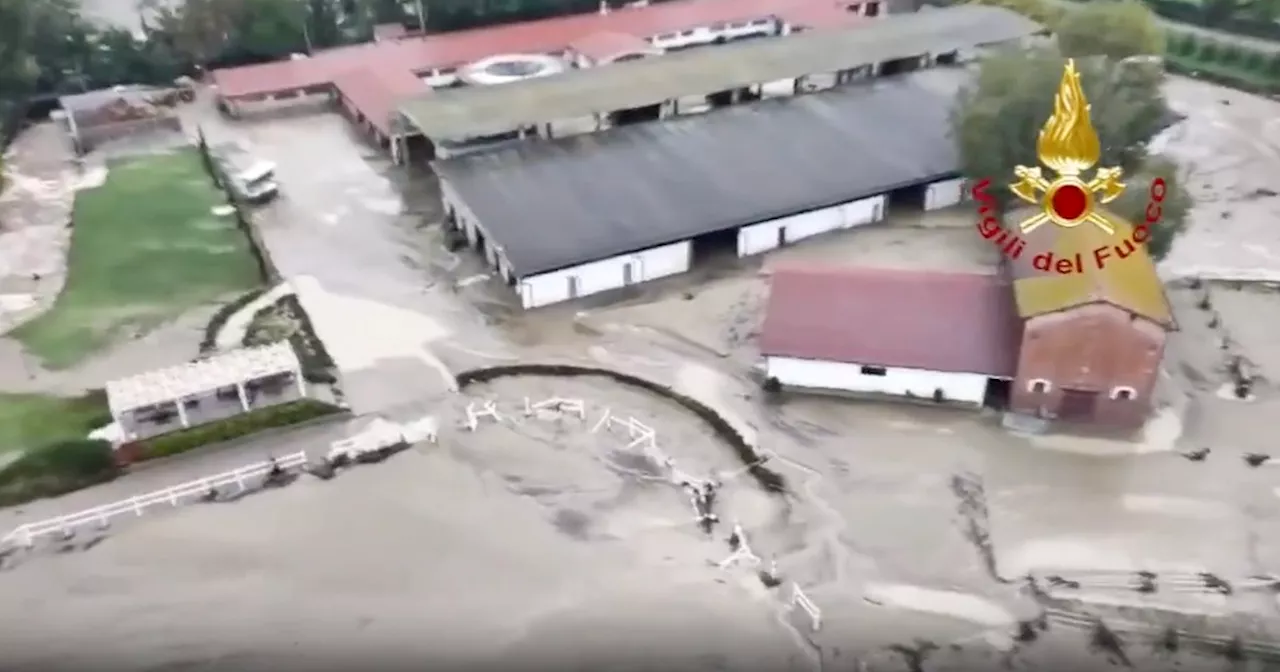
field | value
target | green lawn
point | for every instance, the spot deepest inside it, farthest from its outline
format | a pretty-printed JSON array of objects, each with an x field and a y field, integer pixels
[
  {"x": 145, "y": 248},
  {"x": 34, "y": 420}
]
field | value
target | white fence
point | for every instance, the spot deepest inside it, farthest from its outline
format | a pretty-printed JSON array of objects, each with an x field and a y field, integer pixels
[
  {"x": 799, "y": 599},
  {"x": 26, "y": 535}
]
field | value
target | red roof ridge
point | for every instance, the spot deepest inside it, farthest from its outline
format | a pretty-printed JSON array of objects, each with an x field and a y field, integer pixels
[{"x": 453, "y": 49}]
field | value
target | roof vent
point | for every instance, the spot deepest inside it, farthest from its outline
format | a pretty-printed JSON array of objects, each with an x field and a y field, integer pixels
[{"x": 507, "y": 68}]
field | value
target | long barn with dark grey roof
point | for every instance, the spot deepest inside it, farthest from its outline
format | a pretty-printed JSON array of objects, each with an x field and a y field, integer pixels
[{"x": 567, "y": 218}]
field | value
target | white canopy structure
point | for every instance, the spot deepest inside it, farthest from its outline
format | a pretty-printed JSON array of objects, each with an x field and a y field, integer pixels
[{"x": 201, "y": 378}]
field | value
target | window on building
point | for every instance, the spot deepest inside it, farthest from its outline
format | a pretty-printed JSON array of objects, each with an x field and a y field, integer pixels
[
  {"x": 1123, "y": 393},
  {"x": 873, "y": 9},
  {"x": 873, "y": 371},
  {"x": 1039, "y": 385},
  {"x": 686, "y": 33}
]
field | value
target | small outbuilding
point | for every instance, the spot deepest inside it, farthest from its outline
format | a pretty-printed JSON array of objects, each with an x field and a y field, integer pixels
[
  {"x": 96, "y": 117},
  {"x": 576, "y": 216},
  {"x": 1093, "y": 338},
  {"x": 206, "y": 390},
  {"x": 935, "y": 336}
]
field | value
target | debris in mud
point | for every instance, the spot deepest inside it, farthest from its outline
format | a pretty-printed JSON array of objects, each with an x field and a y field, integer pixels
[
  {"x": 1059, "y": 582},
  {"x": 1168, "y": 640},
  {"x": 968, "y": 488},
  {"x": 1026, "y": 632},
  {"x": 1197, "y": 455},
  {"x": 1256, "y": 459},
  {"x": 1107, "y": 642},
  {"x": 1216, "y": 584},
  {"x": 915, "y": 655},
  {"x": 1234, "y": 650}
]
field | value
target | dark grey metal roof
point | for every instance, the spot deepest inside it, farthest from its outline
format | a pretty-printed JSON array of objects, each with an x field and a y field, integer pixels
[
  {"x": 559, "y": 203},
  {"x": 456, "y": 114}
]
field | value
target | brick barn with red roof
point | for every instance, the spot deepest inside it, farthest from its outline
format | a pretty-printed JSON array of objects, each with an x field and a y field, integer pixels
[
  {"x": 1073, "y": 350},
  {"x": 905, "y": 333}
]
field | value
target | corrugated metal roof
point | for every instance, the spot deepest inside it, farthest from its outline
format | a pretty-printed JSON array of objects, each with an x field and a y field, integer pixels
[
  {"x": 458, "y": 114},
  {"x": 549, "y": 205},
  {"x": 1130, "y": 283},
  {"x": 956, "y": 322},
  {"x": 549, "y": 35}
]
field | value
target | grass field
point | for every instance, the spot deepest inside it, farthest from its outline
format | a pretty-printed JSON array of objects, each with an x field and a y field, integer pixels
[
  {"x": 36, "y": 420},
  {"x": 146, "y": 247}
]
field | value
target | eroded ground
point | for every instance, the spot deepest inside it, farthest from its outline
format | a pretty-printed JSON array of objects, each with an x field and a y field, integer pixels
[{"x": 535, "y": 534}]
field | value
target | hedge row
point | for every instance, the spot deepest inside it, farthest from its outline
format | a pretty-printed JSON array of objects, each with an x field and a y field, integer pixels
[
  {"x": 231, "y": 428},
  {"x": 768, "y": 479},
  {"x": 1224, "y": 62},
  {"x": 210, "y": 341},
  {"x": 57, "y": 469}
]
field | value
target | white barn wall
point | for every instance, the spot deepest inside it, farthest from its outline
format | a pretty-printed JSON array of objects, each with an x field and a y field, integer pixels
[
  {"x": 840, "y": 376},
  {"x": 606, "y": 274},
  {"x": 944, "y": 194},
  {"x": 764, "y": 236}
]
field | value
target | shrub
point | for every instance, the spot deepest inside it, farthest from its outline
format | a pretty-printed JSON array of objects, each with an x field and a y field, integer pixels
[
  {"x": 235, "y": 427},
  {"x": 1273, "y": 67},
  {"x": 1230, "y": 55},
  {"x": 1185, "y": 45},
  {"x": 1208, "y": 51},
  {"x": 317, "y": 364},
  {"x": 219, "y": 319},
  {"x": 1254, "y": 61},
  {"x": 56, "y": 469}
]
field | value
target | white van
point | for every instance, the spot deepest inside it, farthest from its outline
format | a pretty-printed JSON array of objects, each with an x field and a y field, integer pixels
[{"x": 251, "y": 179}]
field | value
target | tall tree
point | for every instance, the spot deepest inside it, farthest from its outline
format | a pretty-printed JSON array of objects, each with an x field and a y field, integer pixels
[
  {"x": 998, "y": 117},
  {"x": 1114, "y": 28}
]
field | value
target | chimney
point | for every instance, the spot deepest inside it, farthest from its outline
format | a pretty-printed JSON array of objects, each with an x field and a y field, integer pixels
[{"x": 604, "y": 7}]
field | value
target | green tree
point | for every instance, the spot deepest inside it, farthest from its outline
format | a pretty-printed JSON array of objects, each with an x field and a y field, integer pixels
[
  {"x": 268, "y": 29},
  {"x": 1132, "y": 204},
  {"x": 1114, "y": 28},
  {"x": 997, "y": 118},
  {"x": 1184, "y": 44}
]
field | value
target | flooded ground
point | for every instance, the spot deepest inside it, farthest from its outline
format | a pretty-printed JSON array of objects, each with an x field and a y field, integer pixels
[
  {"x": 1229, "y": 149},
  {"x": 529, "y": 537}
]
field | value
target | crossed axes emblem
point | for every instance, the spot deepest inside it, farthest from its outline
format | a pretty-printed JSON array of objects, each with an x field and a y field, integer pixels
[{"x": 1032, "y": 187}]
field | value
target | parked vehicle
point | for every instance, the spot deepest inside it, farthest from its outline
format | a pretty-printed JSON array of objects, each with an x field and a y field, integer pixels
[{"x": 251, "y": 179}]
